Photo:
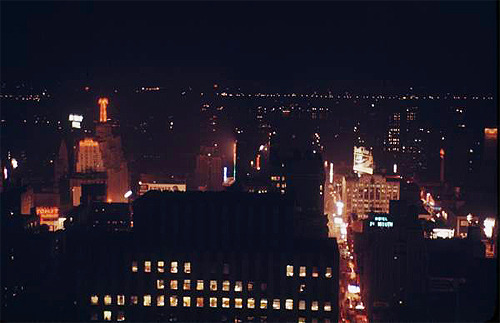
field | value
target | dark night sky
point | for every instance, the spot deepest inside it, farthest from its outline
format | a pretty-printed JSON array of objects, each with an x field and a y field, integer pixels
[{"x": 435, "y": 44}]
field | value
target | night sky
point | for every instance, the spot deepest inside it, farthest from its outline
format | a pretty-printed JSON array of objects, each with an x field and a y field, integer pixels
[{"x": 445, "y": 45}]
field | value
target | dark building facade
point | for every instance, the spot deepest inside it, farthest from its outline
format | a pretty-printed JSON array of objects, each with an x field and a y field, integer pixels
[{"x": 205, "y": 256}]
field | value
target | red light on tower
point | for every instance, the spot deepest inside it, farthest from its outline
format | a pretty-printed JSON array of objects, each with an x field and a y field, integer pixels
[
  {"x": 103, "y": 105},
  {"x": 441, "y": 173}
]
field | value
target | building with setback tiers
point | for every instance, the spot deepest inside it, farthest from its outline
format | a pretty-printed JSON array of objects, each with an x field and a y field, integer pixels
[{"x": 209, "y": 256}]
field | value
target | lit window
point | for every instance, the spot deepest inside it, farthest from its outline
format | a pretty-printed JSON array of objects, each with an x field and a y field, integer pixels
[
  {"x": 213, "y": 285},
  {"x": 173, "y": 284},
  {"x": 187, "y": 284},
  {"x": 276, "y": 304},
  {"x": 251, "y": 303},
  {"x": 107, "y": 300},
  {"x": 238, "y": 287},
  {"x": 161, "y": 266},
  {"x": 199, "y": 285},
  {"x": 173, "y": 301},
  {"x": 107, "y": 315},
  {"x": 173, "y": 267},
  {"x": 226, "y": 269},
  {"x": 302, "y": 305},
  {"x": 263, "y": 303},
  {"x": 226, "y": 286},
  {"x": 187, "y": 267},
  {"x": 250, "y": 286},
  {"x": 120, "y": 316},
  {"x": 213, "y": 301},
  {"x": 134, "y": 266},
  {"x": 120, "y": 300},
  {"x": 199, "y": 302},
  {"x": 186, "y": 301},
  {"x": 225, "y": 302},
  {"x": 302, "y": 272},
  {"x": 289, "y": 304},
  {"x": 147, "y": 266},
  {"x": 94, "y": 299},
  {"x": 147, "y": 300},
  {"x": 328, "y": 307},
  {"x": 314, "y": 306},
  {"x": 289, "y": 271},
  {"x": 134, "y": 300},
  {"x": 315, "y": 272},
  {"x": 302, "y": 288},
  {"x": 328, "y": 273},
  {"x": 302, "y": 320},
  {"x": 238, "y": 303},
  {"x": 160, "y": 284},
  {"x": 160, "y": 300}
]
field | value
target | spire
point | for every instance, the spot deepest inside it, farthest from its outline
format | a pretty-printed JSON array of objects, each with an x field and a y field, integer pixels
[{"x": 103, "y": 105}]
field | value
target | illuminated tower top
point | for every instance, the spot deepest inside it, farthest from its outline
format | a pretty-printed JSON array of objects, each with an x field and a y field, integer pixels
[
  {"x": 103, "y": 105},
  {"x": 441, "y": 153}
]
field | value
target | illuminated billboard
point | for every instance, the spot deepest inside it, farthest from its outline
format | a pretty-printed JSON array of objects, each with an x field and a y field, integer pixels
[
  {"x": 47, "y": 212},
  {"x": 76, "y": 120},
  {"x": 363, "y": 161},
  {"x": 144, "y": 187}
]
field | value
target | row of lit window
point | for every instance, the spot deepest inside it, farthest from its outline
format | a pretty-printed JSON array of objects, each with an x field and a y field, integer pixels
[
  {"x": 174, "y": 267},
  {"x": 226, "y": 302},
  {"x": 200, "y": 285},
  {"x": 303, "y": 271}
]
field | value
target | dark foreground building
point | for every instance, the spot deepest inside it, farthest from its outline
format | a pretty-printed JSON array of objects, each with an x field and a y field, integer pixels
[{"x": 204, "y": 256}]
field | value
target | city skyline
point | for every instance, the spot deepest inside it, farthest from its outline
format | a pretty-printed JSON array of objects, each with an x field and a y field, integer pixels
[{"x": 249, "y": 161}]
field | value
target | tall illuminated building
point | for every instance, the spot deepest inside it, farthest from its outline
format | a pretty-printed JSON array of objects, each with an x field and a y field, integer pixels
[
  {"x": 393, "y": 139},
  {"x": 118, "y": 182},
  {"x": 100, "y": 160}
]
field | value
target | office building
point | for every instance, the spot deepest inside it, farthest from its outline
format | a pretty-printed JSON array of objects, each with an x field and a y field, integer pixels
[
  {"x": 88, "y": 157},
  {"x": 208, "y": 173},
  {"x": 207, "y": 256},
  {"x": 391, "y": 259},
  {"x": 369, "y": 193}
]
